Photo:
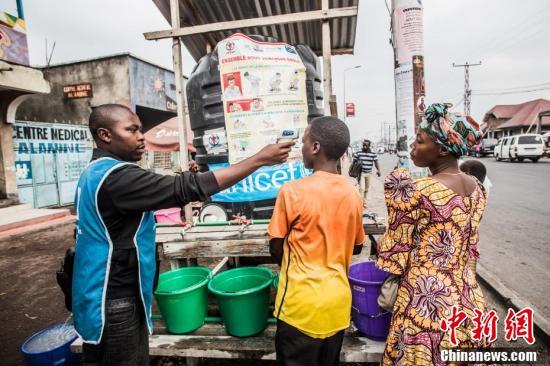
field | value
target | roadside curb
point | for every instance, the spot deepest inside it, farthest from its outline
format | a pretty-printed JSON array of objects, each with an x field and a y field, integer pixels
[
  {"x": 46, "y": 225},
  {"x": 511, "y": 299}
]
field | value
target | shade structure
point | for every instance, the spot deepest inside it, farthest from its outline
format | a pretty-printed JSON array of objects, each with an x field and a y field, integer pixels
[{"x": 164, "y": 137}]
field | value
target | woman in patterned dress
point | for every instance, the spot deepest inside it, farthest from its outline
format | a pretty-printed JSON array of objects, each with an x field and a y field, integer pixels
[{"x": 431, "y": 242}]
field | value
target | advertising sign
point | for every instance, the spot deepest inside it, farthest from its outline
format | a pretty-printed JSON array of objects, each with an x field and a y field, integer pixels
[
  {"x": 263, "y": 184},
  {"x": 13, "y": 39},
  {"x": 350, "y": 109}
]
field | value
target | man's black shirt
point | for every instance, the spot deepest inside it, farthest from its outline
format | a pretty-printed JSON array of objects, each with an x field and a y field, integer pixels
[{"x": 128, "y": 192}]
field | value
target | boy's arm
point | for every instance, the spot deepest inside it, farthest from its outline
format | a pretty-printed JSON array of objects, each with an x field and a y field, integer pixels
[
  {"x": 276, "y": 250},
  {"x": 359, "y": 231},
  {"x": 280, "y": 225}
]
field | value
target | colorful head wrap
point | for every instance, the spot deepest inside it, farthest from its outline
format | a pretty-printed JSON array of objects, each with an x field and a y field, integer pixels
[{"x": 454, "y": 133}]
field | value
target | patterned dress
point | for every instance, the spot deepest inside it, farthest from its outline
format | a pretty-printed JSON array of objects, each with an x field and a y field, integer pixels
[{"x": 431, "y": 242}]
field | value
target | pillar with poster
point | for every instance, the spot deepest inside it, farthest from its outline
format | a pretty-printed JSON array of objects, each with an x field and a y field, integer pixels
[{"x": 408, "y": 44}]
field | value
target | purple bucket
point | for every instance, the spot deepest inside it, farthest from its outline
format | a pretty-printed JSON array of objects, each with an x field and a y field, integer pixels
[{"x": 371, "y": 320}]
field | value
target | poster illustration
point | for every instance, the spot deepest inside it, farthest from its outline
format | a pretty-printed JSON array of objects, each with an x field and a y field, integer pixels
[{"x": 263, "y": 92}]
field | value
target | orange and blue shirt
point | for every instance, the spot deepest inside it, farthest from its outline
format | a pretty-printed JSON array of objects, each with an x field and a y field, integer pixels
[{"x": 320, "y": 218}]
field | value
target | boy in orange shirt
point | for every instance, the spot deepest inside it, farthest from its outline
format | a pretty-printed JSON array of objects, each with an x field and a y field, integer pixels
[{"x": 316, "y": 227}]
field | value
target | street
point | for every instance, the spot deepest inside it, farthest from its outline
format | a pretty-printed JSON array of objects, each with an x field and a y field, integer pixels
[{"x": 515, "y": 230}]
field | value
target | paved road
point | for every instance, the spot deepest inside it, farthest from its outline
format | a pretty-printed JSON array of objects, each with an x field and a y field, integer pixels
[{"x": 515, "y": 232}]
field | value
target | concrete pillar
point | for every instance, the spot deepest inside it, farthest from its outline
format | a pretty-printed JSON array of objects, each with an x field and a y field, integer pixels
[{"x": 8, "y": 184}]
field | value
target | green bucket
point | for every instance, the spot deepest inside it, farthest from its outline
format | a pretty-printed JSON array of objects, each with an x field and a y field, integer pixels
[
  {"x": 243, "y": 297},
  {"x": 182, "y": 297}
]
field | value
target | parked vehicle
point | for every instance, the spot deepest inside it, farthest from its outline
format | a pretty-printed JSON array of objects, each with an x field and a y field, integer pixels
[
  {"x": 520, "y": 147},
  {"x": 484, "y": 148}
]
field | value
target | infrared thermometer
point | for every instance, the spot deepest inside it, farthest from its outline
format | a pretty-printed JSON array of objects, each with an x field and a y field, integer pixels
[{"x": 288, "y": 135}]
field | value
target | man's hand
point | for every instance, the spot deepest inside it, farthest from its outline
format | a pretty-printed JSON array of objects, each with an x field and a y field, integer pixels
[
  {"x": 273, "y": 154},
  {"x": 193, "y": 166},
  {"x": 378, "y": 173}
]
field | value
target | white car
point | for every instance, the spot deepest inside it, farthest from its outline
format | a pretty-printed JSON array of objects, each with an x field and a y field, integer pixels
[
  {"x": 520, "y": 147},
  {"x": 381, "y": 150}
]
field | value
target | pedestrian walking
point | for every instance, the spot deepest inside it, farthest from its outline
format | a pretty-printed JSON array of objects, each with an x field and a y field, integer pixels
[
  {"x": 316, "y": 226},
  {"x": 368, "y": 159},
  {"x": 432, "y": 242},
  {"x": 115, "y": 268}
]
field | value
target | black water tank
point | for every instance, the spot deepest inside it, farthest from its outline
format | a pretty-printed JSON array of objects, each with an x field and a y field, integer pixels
[{"x": 204, "y": 97}]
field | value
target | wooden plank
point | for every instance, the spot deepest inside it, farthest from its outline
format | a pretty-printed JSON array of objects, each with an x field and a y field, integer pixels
[
  {"x": 217, "y": 248},
  {"x": 367, "y": 222},
  {"x": 229, "y": 235},
  {"x": 208, "y": 229},
  {"x": 306, "y": 16},
  {"x": 354, "y": 349}
]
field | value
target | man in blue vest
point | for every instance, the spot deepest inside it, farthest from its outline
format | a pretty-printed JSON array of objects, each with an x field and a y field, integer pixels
[{"x": 114, "y": 272}]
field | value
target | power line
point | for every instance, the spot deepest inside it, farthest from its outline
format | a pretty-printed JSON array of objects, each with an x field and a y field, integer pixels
[
  {"x": 513, "y": 92},
  {"x": 512, "y": 88},
  {"x": 530, "y": 20}
]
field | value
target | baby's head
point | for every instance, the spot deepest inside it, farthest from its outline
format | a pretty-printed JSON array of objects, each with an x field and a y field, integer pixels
[{"x": 474, "y": 168}]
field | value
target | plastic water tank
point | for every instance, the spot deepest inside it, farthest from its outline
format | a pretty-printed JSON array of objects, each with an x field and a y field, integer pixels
[{"x": 204, "y": 97}]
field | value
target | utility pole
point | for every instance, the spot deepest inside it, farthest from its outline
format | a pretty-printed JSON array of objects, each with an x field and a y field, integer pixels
[
  {"x": 345, "y": 102},
  {"x": 467, "y": 90}
]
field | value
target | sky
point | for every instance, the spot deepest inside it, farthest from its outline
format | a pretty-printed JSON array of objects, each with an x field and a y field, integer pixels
[{"x": 510, "y": 37}]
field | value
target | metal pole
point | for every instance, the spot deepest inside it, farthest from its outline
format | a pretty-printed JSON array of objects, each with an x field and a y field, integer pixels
[
  {"x": 346, "y": 70},
  {"x": 20, "y": 12},
  {"x": 180, "y": 97}
]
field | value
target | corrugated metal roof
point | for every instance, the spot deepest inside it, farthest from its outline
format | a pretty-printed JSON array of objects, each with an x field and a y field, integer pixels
[{"x": 198, "y": 12}]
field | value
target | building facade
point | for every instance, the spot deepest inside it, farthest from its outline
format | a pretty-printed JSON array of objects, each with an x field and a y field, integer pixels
[
  {"x": 51, "y": 140},
  {"x": 513, "y": 119}
]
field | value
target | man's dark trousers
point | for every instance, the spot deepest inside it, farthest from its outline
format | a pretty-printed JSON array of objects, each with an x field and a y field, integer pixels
[{"x": 125, "y": 340}]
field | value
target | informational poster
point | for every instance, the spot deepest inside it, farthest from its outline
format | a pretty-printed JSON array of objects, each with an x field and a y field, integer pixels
[
  {"x": 408, "y": 30},
  {"x": 404, "y": 100},
  {"x": 264, "y": 93},
  {"x": 409, "y": 76}
]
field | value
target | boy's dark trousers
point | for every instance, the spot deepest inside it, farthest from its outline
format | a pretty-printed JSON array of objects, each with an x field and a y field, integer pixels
[
  {"x": 294, "y": 348},
  {"x": 125, "y": 340}
]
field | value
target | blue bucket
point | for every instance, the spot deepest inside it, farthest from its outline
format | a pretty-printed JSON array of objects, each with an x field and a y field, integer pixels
[
  {"x": 366, "y": 281},
  {"x": 51, "y": 347}
]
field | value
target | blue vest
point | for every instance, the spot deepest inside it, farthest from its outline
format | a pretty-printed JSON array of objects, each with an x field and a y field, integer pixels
[{"x": 93, "y": 254}]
